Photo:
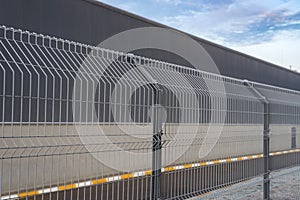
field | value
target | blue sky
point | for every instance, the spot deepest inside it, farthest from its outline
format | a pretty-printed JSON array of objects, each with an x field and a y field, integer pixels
[{"x": 267, "y": 29}]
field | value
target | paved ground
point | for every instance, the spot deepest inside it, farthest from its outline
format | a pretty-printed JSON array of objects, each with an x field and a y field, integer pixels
[{"x": 285, "y": 185}]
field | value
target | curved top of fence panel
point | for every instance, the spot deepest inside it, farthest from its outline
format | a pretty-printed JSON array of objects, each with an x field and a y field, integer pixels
[
  {"x": 45, "y": 67},
  {"x": 123, "y": 59},
  {"x": 279, "y": 95}
]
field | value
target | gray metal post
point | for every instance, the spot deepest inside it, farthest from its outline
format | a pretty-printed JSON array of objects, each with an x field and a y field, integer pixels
[
  {"x": 266, "y": 139},
  {"x": 157, "y": 144},
  {"x": 157, "y": 133},
  {"x": 294, "y": 139},
  {"x": 266, "y": 152}
]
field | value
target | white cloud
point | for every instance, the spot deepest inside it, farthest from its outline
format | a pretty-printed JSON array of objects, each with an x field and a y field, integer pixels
[
  {"x": 217, "y": 19},
  {"x": 175, "y": 2},
  {"x": 282, "y": 49},
  {"x": 254, "y": 27}
]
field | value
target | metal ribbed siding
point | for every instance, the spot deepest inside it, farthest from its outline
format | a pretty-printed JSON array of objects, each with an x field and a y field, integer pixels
[{"x": 91, "y": 22}]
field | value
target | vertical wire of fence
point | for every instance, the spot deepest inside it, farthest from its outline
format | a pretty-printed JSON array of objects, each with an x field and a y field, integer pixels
[{"x": 82, "y": 122}]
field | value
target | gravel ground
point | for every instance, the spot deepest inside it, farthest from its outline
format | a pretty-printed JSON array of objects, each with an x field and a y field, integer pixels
[{"x": 285, "y": 185}]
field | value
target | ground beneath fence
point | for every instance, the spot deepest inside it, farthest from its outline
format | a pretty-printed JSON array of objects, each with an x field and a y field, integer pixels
[{"x": 285, "y": 185}]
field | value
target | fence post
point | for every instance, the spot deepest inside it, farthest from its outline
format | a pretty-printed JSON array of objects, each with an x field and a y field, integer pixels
[
  {"x": 294, "y": 139},
  {"x": 266, "y": 139},
  {"x": 266, "y": 152},
  {"x": 157, "y": 143}
]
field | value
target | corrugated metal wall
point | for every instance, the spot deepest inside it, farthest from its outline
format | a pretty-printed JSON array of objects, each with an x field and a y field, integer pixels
[{"x": 91, "y": 23}]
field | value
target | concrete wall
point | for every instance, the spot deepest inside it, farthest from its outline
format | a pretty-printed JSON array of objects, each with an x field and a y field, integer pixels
[{"x": 55, "y": 154}]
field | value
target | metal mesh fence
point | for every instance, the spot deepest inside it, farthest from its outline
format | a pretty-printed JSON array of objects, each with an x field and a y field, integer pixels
[
  {"x": 284, "y": 122},
  {"x": 82, "y": 122}
]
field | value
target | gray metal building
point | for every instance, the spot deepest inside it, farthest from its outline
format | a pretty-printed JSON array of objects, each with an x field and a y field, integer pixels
[{"x": 90, "y": 22}]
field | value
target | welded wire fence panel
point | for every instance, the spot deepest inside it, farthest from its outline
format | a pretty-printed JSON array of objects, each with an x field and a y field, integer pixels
[
  {"x": 284, "y": 112},
  {"x": 82, "y": 122},
  {"x": 224, "y": 147},
  {"x": 66, "y": 109}
]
